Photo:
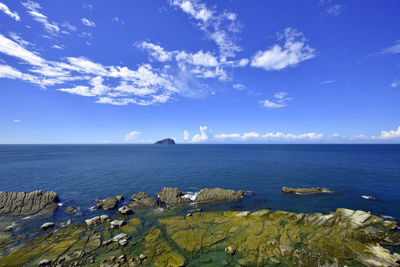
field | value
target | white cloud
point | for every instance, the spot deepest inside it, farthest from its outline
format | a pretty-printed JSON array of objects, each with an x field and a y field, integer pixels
[
  {"x": 239, "y": 86},
  {"x": 58, "y": 47},
  {"x": 395, "y": 83},
  {"x": 7, "y": 11},
  {"x": 250, "y": 135},
  {"x": 280, "y": 101},
  {"x": 219, "y": 27},
  {"x": 327, "y": 82},
  {"x": 78, "y": 90},
  {"x": 17, "y": 121},
  {"x": 131, "y": 136},
  {"x": 33, "y": 9},
  {"x": 156, "y": 51},
  {"x": 393, "y": 134},
  {"x": 87, "y": 22},
  {"x": 335, "y": 10},
  {"x": 69, "y": 27},
  {"x": 185, "y": 135},
  {"x": 202, "y": 136},
  {"x": 271, "y": 135},
  {"x": 293, "y": 51},
  {"x": 227, "y": 136},
  {"x": 395, "y": 49}
]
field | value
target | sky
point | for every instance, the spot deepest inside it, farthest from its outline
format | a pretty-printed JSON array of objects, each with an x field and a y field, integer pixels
[{"x": 234, "y": 71}]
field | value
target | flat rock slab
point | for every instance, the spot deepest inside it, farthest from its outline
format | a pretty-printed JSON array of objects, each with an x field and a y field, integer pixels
[{"x": 27, "y": 204}]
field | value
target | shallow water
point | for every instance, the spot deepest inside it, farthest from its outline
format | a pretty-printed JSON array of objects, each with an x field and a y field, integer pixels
[{"x": 82, "y": 173}]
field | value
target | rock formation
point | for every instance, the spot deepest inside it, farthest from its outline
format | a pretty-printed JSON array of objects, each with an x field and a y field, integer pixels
[
  {"x": 167, "y": 141},
  {"x": 25, "y": 204},
  {"x": 109, "y": 203},
  {"x": 172, "y": 196},
  {"x": 217, "y": 194},
  {"x": 142, "y": 200},
  {"x": 306, "y": 191}
]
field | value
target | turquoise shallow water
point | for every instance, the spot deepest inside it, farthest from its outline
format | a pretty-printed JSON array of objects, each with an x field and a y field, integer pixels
[{"x": 82, "y": 173}]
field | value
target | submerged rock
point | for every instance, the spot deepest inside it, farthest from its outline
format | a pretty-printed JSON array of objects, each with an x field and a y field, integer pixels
[
  {"x": 117, "y": 223},
  {"x": 217, "y": 194},
  {"x": 142, "y": 200},
  {"x": 109, "y": 203},
  {"x": 71, "y": 209},
  {"x": 25, "y": 204},
  {"x": 167, "y": 141},
  {"x": 306, "y": 191},
  {"x": 369, "y": 197},
  {"x": 172, "y": 196}
]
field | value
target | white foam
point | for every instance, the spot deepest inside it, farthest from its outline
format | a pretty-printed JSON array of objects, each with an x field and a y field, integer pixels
[
  {"x": 190, "y": 195},
  {"x": 159, "y": 210},
  {"x": 27, "y": 217},
  {"x": 60, "y": 204},
  {"x": 367, "y": 197},
  {"x": 11, "y": 226},
  {"x": 387, "y": 217},
  {"x": 93, "y": 208}
]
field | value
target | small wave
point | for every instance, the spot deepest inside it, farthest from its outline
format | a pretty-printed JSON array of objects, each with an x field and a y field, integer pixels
[
  {"x": 159, "y": 210},
  {"x": 387, "y": 217},
  {"x": 190, "y": 195},
  {"x": 93, "y": 208},
  {"x": 368, "y": 197},
  {"x": 60, "y": 204},
  {"x": 11, "y": 226},
  {"x": 27, "y": 217}
]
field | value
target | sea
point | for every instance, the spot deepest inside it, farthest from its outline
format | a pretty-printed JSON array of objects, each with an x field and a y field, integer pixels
[{"x": 81, "y": 174}]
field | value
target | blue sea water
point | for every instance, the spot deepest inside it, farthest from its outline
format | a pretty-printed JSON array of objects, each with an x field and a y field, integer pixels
[{"x": 82, "y": 173}]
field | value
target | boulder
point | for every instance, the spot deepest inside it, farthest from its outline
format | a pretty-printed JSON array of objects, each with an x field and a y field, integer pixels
[
  {"x": 71, "y": 209},
  {"x": 217, "y": 194},
  {"x": 172, "y": 196},
  {"x": 26, "y": 204},
  {"x": 119, "y": 237},
  {"x": 96, "y": 220},
  {"x": 47, "y": 225},
  {"x": 306, "y": 191},
  {"x": 142, "y": 200},
  {"x": 124, "y": 210},
  {"x": 117, "y": 223},
  {"x": 108, "y": 203},
  {"x": 167, "y": 141}
]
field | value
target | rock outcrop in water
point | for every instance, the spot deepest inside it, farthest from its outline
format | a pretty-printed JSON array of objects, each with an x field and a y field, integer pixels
[
  {"x": 262, "y": 238},
  {"x": 172, "y": 196},
  {"x": 109, "y": 203},
  {"x": 167, "y": 141},
  {"x": 142, "y": 200},
  {"x": 306, "y": 191},
  {"x": 27, "y": 204},
  {"x": 217, "y": 194}
]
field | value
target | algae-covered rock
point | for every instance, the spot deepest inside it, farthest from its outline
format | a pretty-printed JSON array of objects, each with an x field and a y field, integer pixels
[
  {"x": 306, "y": 191},
  {"x": 109, "y": 203}
]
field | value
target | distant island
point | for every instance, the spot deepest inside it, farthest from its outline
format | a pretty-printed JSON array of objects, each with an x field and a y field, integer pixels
[{"x": 167, "y": 141}]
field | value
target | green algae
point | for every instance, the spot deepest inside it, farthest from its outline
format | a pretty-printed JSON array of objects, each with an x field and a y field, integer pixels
[{"x": 262, "y": 238}]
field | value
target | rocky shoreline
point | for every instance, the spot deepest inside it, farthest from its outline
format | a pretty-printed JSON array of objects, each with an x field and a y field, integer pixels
[{"x": 231, "y": 238}]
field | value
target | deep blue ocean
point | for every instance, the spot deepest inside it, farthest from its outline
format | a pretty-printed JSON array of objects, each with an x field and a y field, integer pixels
[{"x": 82, "y": 173}]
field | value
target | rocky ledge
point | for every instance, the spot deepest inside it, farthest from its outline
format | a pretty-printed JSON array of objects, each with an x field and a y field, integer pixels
[
  {"x": 167, "y": 141},
  {"x": 262, "y": 238},
  {"x": 306, "y": 191},
  {"x": 27, "y": 204}
]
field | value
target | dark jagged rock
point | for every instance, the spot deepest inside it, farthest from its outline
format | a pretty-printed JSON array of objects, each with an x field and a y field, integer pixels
[
  {"x": 26, "y": 204},
  {"x": 71, "y": 209},
  {"x": 109, "y": 203},
  {"x": 167, "y": 141},
  {"x": 306, "y": 191},
  {"x": 217, "y": 194},
  {"x": 142, "y": 200},
  {"x": 172, "y": 196}
]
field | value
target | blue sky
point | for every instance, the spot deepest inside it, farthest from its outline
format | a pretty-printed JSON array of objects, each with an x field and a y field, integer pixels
[{"x": 200, "y": 71}]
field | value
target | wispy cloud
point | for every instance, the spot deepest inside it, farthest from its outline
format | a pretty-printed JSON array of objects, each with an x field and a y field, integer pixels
[
  {"x": 395, "y": 83},
  {"x": 293, "y": 51},
  {"x": 7, "y": 11},
  {"x": 129, "y": 137},
  {"x": 280, "y": 101},
  {"x": 17, "y": 121},
  {"x": 33, "y": 9},
  {"x": 394, "y": 49},
  {"x": 334, "y": 10},
  {"x": 87, "y": 22},
  {"x": 327, "y": 82}
]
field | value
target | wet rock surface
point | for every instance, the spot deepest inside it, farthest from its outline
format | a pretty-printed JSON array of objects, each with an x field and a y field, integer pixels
[
  {"x": 262, "y": 238},
  {"x": 172, "y": 196},
  {"x": 26, "y": 204},
  {"x": 306, "y": 191},
  {"x": 109, "y": 203}
]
